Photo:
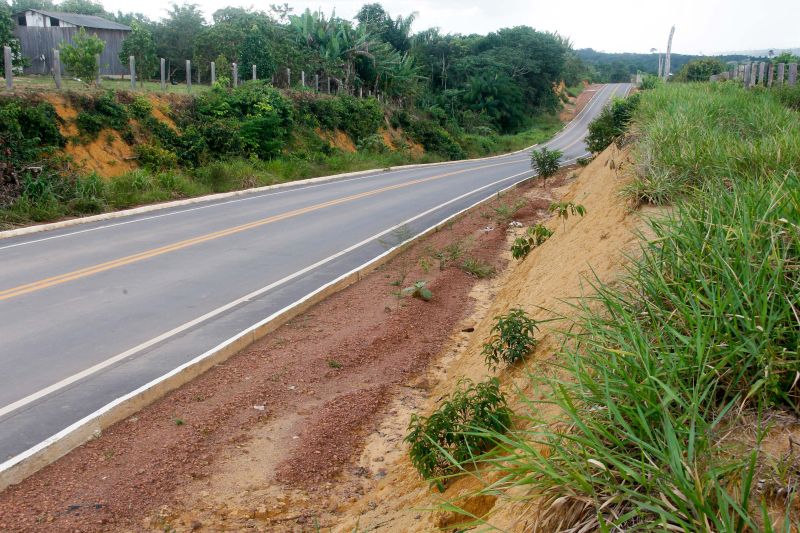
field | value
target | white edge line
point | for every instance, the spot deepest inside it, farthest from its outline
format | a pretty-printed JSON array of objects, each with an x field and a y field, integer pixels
[
  {"x": 30, "y": 452},
  {"x": 221, "y": 196}
]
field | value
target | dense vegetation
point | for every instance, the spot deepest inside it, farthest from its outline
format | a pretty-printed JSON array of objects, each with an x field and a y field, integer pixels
[{"x": 674, "y": 379}]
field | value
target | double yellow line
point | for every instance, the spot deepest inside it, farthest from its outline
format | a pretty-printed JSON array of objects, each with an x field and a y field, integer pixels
[{"x": 148, "y": 254}]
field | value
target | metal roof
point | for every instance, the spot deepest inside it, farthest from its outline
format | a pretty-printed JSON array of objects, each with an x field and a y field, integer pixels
[{"x": 85, "y": 21}]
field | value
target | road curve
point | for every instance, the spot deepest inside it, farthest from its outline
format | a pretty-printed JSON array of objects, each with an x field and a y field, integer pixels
[{"x": 92, "y": 312}]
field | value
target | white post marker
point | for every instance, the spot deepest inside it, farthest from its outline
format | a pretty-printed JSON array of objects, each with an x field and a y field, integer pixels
[
  {"x": 57, "y": 67},
  {"x": 9, "y": 67},
  {"x": 132, "y": 62},
  {"x": 188, "y": 75},
  {"x": 163, "y": 74},
  {"x": 254, "y": 73},
  {"x": 235, "y": 71},
  {"x": 213, "y": 73}
]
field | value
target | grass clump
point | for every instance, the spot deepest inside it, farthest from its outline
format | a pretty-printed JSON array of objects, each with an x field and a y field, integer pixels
[
  {"x": 512, "y": 338},
  {"x": 450, "y": 435},
  {"x": 477, "y": 268},
  {"x": 690, "y": 134}
]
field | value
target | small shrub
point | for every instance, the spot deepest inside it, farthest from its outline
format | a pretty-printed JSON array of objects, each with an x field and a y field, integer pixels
[
  {"x": 512, "y": 338},
  {"x": 476, "y": 267},
  {"x": 504, "y": 212},
  {"x": 453, "y": 434},
  {"x": 141, "y": 107},
  {"x": 545, "y": 162},
  {"x": 79, "y": 57},
  {"x": 564, "y": 209},
  {"x": 156, "y": 158},
  {"x": 333, "y": 363},
  {"x": 534, "y": 236},
  {"x": 584, "y": 161},
  {"x": 89, "y": 124},
  {"x": 418, "y": 290},
  {"x": 611, "y": 123}
]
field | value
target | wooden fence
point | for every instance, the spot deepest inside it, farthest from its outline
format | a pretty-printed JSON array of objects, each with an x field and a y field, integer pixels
[
  {"x": 37, "y": 44},
  {"x": 765, "y": 74}
]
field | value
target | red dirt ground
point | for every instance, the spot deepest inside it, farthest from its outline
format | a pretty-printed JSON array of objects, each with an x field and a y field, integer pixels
[{"x": 336, "y": 367}]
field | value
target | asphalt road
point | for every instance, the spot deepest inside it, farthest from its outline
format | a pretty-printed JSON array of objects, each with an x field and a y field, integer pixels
[{"x": 92, "y": 312}]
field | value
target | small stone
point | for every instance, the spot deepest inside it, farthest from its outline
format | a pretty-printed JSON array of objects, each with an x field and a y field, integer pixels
[
  {"x": 196, "y": 524},
  {"x": 259, "y": 407}
]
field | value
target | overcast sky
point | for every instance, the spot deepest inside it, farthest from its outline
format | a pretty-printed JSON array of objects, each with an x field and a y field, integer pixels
[{"x": 702, "y": 26}]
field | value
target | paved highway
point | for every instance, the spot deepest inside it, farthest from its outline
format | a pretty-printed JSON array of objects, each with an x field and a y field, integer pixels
[{"x": 92, "y": 312}]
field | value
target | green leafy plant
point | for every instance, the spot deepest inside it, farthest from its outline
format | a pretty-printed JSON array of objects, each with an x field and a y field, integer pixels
[
  {"x": 505, "y": 212},
  {"x": 418, "y": 290},
  {"x": 453, "y": 434},
  {"x": 545, "y": 162},
  {"x": 534, "y": 236},
  {"x": 564, "y": 209},
  {"x": 512, "y": 338},
  {"x": 333, "y": 363},
  {"x": 80, "y": 56}
]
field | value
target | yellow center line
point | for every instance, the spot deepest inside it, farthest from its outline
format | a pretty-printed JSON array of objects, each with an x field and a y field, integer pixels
[{"x": 148, "y": 254}]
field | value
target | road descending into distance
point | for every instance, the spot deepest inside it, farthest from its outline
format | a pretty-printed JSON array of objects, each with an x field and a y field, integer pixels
[{"x": 92, "y": 312}]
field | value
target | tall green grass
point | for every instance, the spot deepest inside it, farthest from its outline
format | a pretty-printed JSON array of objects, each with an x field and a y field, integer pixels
[
  {"x": 669, "y": 379},
  {"x": 691, "y": 133}
]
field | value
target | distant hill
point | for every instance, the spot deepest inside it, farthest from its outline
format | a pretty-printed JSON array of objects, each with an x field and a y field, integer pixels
[
  {"x": 618, "y": 67},
  {"x": 765, "y": 52}
]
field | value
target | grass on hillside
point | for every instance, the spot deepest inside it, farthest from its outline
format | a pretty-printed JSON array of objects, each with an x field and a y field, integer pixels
[
  {"x": 47, "y": 83},
  {"x": 543, "y": 128},
  {"x": 691, "y": 133},
  {"x": 670, "y": 380},
  {"x": 57, "y": 198}
]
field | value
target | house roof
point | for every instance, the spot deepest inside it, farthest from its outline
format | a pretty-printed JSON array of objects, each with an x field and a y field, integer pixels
[{"x": 85, "y": 21}]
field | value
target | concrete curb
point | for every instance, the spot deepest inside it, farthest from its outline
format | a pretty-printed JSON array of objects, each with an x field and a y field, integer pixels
[
  {"x": 47, "y": 452},
  {"x": 28, "y": 230}
]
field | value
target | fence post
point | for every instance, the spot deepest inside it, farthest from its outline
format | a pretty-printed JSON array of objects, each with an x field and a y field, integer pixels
[
  {"x": 57, "y": 67},
  {"x": 132, "y": 63},
  {"x": 288, "y": 78},
  {"x": 746, "y": 80},
  {"x": 753, "y": 74},
  {"x": 9, "y": 67},
  {"x": 329, "y": 85},
  {"x": 163, "y": 74},
  {"x": 188, "y": 75},
  {"x": 235, "y": 73},
  {"x": 771, "y": 75},
  {"x": 792, "y": 74},
  {"x": 303, "y": 78},
  {"x": 761, "y": 67},
  {"x": 361, "y": 92},
  {"x": 781, "y": 71},
  {"x": 316, "y": 82},
  {"x": 213, "y": 73},
  {"x": 254, "y": 73},
  {"x": 97, "y": 62}
]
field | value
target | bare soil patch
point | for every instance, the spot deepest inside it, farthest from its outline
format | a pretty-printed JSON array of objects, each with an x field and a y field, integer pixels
[{"x": 271, "y": 438}]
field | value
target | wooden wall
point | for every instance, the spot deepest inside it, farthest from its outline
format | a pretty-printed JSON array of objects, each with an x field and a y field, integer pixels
[{"x": 38, "y": 43}]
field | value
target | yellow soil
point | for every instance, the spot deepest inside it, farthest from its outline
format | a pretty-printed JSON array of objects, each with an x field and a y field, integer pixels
[
  {"x": 387, "y": 139},
  {"x": 337, "y": 139},
  {"x": 558, "y": 270},
  {"x": 108, "y": 155},
  {"x": 160, "y": 110},
  {"x": 66, "y": 113}
]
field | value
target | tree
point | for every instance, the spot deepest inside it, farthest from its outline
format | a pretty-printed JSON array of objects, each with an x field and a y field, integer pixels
[
  {"x": 700, "y": 69},
  {"x": 545, "y": 162},
  {"x": 175, "y": 36},
  {"x": 80, "y": 57},
  {"x": 24, "y": 5},
  {"x": 139, "y": 44},
  {"x": 785, "y": 57},
  {"x": 7, "y": 38},
  {"x": 84, "y": 7}
]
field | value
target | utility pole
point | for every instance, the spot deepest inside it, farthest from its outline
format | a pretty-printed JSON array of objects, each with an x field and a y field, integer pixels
[{"x": 669, "y": 52}]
